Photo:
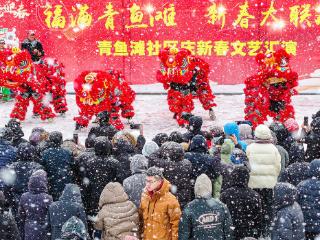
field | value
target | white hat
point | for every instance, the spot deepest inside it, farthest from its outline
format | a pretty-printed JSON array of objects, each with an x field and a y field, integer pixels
[{"x": 149, "y": 148}]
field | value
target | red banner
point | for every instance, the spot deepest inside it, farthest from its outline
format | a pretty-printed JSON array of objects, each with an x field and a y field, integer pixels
[{"x": 127, "y": 35}]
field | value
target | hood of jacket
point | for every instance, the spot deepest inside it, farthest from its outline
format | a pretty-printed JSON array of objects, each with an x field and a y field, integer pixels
[
  {"x": 26, "y": 152},
  {"x": 38, "y": 182},
  {"x": 203, "y": 187},
  {"x": 102, "y": 146},
  {"x": 285, "y": 194},
  {"x": 315, "y": 168},
  {"x": 195, "y": 124},
  {"x": 71, "y": 193},
  {"x": 198, "y": 144},
  {"x": 113, "y": 192},
  {"x": 123, "y": 146},
  {"x": 240, "y": 176},
  {"x": 172, "y": 151},
  {"x": 138, "y": 164}
]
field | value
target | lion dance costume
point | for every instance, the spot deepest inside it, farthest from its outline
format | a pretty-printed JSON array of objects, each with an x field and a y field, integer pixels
[
  {"x": 32, "y": 82},
  {"x": 185, "y": 77},
  {"x": 269, "y": 92},
  {"x": 98, "y": 91}
]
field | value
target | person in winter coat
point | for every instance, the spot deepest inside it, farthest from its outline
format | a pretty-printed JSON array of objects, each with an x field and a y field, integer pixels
[
  {"x": 74, "y": 229},
  {"x": 21, "y": 171},
  {"x": 149, "y": 148},
  {"x": 122, "y": 151},
  {"x": 282, "y": 134},
  {"x": 118, "y": 216},
  {"x": 135, "y": 184},
  {"x": 58, "y": 163},
  {"x": 194, "y": 128},
  {"x": 102, "y": 169},
  {"x": 175, "y": 136},
  {"x": 15, "y": 127},
  {"x": 226, "y": 150},
  {"x": 231, "y": 131},
  {"x": 283, "y": 153},
  {"x": 265, "y": 163},
  {"x": 160, "y": 139},
  {"x": 246, "y": 133},
  {"x": 244, "y": 204},
  {"x": 33, "y": 46},
  {"x": 8, "y": 225},
  {"x": 205, "y": 218},
  {"x": 7, "y": 153},
  {"x": 288, "y": 222},
  {"x": 308, "y": 198},
  {"x": 72, "y": 147},
  {"x": 69, "y": 204},
  {"x": 312, "y": 140},
  {"x": 299, "y": 170},
  {"x": 177, "y": 170},
  {"x": 202, "y": 161},
  {"x": 33, "y": 208},
  {"x": 38, "y": 135},
  {"x": 159, "y": 210},
  {"x": 105, "y": 128},
  {"x": 81, "y": 161}
]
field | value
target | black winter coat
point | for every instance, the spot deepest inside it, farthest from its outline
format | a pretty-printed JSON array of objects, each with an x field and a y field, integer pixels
[
  {"x": 59, "y": 164},
  {"x": 201, "y": 160},
  {"x": 244, "y": 205},
  {"x": 123, "y": 150},
  {"x": 102, "y": 169},
  {"x": 295, "y": 173},
  {"x": 8, "y": 226},
  {"x": 177, "y": 170},
  {"x": 288, "y": 222}
]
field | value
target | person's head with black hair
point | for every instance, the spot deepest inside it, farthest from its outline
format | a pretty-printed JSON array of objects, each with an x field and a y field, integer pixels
[{"x": 154, "y": 179}]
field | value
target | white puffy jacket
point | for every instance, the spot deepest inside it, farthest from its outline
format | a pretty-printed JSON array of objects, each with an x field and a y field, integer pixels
[{"x": 265, "y": 163}]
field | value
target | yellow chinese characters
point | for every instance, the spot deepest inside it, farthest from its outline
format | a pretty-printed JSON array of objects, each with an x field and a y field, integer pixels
[
  {"x": 83, "y": 19},
  {"x": 300, "y": 14},
  {"x": 54, "y": 19},
  {"x": 216, "y": 14},
  {"x": 219, "y": 48},
  {"x": 270, "y": 13},
  {"x": 243, "y": 16},
  {"x": 109, "y": 14}
]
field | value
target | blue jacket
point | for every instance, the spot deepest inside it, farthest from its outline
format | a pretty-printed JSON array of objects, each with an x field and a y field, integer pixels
[
  {"x": 232, "y": 128},
  {"x": 7, "y": 153},
  {"x": 69, "y": 204},
  {"x": 33, "y": 208},
  {"x": 58, "y": 163},
  {"x": 201, "y": 160},
  {"x": 308, "y": 198},
  {"x": 288, "y": 223}
]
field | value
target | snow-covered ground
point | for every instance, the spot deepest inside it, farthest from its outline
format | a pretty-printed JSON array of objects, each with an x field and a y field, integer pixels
[{"x": 152, "y": 111}]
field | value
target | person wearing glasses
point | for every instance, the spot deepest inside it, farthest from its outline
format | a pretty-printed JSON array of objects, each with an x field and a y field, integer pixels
[{"x": 159, "y": 209}]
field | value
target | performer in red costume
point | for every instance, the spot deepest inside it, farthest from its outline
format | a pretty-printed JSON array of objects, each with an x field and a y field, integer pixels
[
  {"x": 269, "y": 92},
  {"x": 185, "y": 77},
  {"x": 98, "y": 91},
  {"x": 31, "y": 82}
]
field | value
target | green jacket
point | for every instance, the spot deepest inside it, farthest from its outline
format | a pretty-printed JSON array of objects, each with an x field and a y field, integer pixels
[{"x": 205, "y": 219}]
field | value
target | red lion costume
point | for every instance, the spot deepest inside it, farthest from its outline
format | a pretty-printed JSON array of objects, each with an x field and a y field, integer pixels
[
  {"x": 98, "y": 91},
  {"x": 185, "y": 77},
  {"x": 269, "y": 92},
  {"x": 32, "y": 81}
]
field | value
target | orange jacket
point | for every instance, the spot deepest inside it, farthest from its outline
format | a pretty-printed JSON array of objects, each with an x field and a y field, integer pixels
[{"x": 160, "y": 214}]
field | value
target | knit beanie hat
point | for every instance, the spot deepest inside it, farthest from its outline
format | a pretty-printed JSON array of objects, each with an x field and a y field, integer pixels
[
  {"x": 263, "y": 132},
  {"x": 149, "y": 148},
  {"x": 203, "y": 187},
  {"x": 291, "y": 124}
]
